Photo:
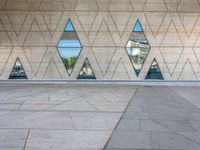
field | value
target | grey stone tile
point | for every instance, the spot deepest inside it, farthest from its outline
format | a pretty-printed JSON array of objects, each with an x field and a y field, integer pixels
[
  {"x": 170, "y": 116},
  {"x": 10, "y": 117},
  {"x": 130, "y": 139},
  {"x": 196, "y": 116},
  {"x": 71, "y": 139},
  {"x": 32, "y": 107},
  {"x": 109, "y": 106},
  {"x": 196, "y": 125},
  {"x": 62, "y": 149},
  {"x": 170, "y": 140},
  {"x": 128, "y": 125},
  {"x": 190, "y": 94},
  {"x": 74, "y": 106},
  {"x": 149, "y": 125},
  {"x": 195, "y": 136},
  {"x": 135, "y": 115},
  {"x": 41, "y": 120},
  {"x": 12, "y": 148},
  {"x": 177, "y": 125},
  {"x": 9, "y": 106},
  {"x": 12, "y": 138},
  {"x": 95, "y": 121}
]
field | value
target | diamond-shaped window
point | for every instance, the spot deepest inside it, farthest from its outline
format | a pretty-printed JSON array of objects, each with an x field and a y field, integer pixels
[
  {"x": 86, "y": 71},
  {"x": 154, "y": 71},
  {"x": 69, "y": 47},
  {"x": 18, "y": 71},
  {"x": 137, "y": 47}
]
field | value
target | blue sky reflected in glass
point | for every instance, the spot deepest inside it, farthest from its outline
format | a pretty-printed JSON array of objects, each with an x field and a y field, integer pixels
[
  {"x": 138, "y": 27},
  {"x": 69, "y": 52},
  {"x": 69, "y": 26},
  {"x": 69, "y": 43}
]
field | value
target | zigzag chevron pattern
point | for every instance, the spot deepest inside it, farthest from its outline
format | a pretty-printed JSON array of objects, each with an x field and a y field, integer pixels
[{"x": 31, "y": 29}]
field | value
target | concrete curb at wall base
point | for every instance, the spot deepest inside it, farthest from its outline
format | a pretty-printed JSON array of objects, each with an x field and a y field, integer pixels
[{"x": 107, "y": 82}]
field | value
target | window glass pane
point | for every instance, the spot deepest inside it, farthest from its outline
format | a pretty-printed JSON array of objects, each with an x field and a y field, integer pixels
[
  {"x": 137, "y": 48},
  {"x": 69, "y": 26},
  {"x": 69, "y": 43},
  {"x": 138, "y": 27},
  {"x": 18, "y": 71},
  {"x": 154, "y": 71},
  {"x": 86, "y": 71},
  {"x": 69, "y": 47}
]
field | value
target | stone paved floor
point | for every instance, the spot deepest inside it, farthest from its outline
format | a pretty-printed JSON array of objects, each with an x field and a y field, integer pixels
[{"x": 95, "y": 117}]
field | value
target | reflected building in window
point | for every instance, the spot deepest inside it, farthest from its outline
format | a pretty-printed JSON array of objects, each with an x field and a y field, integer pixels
[
  {"x": 86, "y": 71},
  {"x": 137, "y": 47},
  {"x": 154, "y": 71},
  {"x": 18, "y": 71},
  {"x": 69, "y": 47}
]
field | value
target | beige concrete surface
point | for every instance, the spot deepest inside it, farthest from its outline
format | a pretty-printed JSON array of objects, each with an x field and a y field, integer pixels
[{"x": 31, "y": 29}]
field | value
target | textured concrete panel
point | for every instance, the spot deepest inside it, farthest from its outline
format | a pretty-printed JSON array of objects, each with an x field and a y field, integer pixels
[{"x": 172, "y": 28}]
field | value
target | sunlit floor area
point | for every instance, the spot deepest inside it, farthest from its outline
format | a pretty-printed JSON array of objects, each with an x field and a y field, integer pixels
[{"x": 96, "y": 117}]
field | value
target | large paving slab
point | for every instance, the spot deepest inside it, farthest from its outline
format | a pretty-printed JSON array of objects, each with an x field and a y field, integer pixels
[
  {"x": 96, "y": 117},
  {"x": 159, "y": 118},
  {"x": 60, "y": 117}
]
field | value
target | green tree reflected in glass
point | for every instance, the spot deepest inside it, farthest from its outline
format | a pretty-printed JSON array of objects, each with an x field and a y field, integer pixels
[{"x": 69, "y": 47}]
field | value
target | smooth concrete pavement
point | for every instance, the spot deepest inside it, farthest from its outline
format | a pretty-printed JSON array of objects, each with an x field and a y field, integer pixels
[{"x": 96, "y": 117}]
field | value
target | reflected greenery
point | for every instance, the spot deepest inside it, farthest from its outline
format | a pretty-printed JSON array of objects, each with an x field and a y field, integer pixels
[
  {"x": 69, "y": 47},
  {"x": 86, "y": 71},
  {"x": 70, "y": 63},
  {"x": 137, "y": 47},
  {"x": 18, "y": 71}
]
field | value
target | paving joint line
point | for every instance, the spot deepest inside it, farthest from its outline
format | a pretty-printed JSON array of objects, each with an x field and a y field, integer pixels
[
  {"x": 26, "y": 139},
  {"x": 120, "y": 118}
]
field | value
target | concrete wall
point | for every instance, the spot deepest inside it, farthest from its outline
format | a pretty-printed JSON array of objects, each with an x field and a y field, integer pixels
[{"x": 31, "y": 29}]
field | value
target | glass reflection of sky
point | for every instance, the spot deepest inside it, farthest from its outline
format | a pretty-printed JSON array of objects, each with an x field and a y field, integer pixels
[
  {"x": 69, "y": 52},
  {"x": 69, "y": 47},
  {"x": 69, "y": 43},
  {"x": 138, "y": 27},
  {"x": 69, "y": 26}
]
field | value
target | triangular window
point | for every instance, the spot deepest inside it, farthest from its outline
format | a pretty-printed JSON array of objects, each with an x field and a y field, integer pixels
[
  {"x": 137, "y": 47},
  {"x": 154, "y": 71},
  {"x": 86, "y": 71},
  {"x": 138, "y": 27},
  {"x": 69, "y": 26},
  {"x": 18, "y": 71}
]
